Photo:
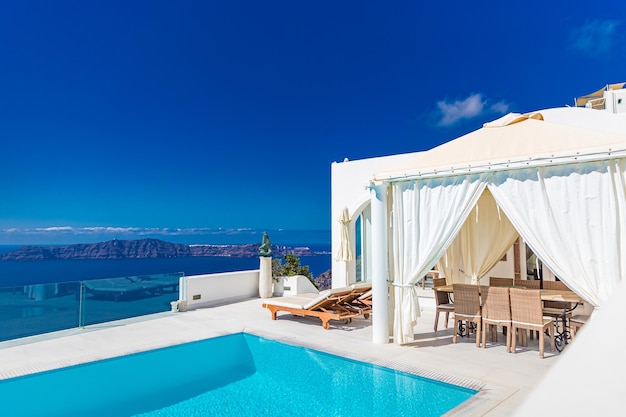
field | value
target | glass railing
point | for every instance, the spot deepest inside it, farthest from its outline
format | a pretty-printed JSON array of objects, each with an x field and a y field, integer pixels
[{"x": 29, "y": 310}]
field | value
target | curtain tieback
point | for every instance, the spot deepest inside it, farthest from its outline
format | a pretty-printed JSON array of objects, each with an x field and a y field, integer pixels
[{"x": 403, "y": 285}]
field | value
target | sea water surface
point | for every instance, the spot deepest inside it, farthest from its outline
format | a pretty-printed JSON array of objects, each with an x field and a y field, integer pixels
[
  {"x": 13, "y": 273},
  {"x": 28, "y": 309}
]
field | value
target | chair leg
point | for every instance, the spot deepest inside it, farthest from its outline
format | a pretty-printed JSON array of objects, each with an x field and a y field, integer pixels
[
  {"x": 541, "y": 341},
  {"x": 512, "y": 330},
  {"x": 478, "y": 326},
  {"x": 484, "y": 334},
  {"x": 436, "y": 320},
  {"x": 454, "y": 331},
  {"x": 447, "y": 318},
  {"x": 522, "y": 336}
]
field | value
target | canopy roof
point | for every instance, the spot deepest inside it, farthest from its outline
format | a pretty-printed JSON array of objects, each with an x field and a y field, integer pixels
[{"x": 514, "y": 140}]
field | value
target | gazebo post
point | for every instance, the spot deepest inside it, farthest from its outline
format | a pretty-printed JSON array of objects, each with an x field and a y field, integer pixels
[{"x": 380, "y": 295}]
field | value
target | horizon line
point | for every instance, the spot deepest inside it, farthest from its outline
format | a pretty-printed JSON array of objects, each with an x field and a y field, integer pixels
[{"x": 59, "y": 235}]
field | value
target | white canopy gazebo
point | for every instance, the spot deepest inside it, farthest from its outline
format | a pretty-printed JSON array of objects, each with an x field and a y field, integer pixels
[{"x": 563, "y": 189}]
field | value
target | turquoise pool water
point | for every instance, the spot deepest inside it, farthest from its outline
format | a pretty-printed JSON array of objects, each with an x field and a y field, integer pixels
[{"x": 235, "y": 375}]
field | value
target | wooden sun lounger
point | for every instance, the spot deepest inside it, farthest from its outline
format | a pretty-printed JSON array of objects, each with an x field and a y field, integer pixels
[
  {"x": 335, "y": 304},
  {"x": 366, "y": 298}
]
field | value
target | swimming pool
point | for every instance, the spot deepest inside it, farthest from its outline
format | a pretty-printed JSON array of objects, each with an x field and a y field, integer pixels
[{"x": 234, "y": 375}]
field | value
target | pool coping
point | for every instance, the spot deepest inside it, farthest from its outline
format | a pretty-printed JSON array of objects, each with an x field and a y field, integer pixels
[{"x": 434, "y": 356}]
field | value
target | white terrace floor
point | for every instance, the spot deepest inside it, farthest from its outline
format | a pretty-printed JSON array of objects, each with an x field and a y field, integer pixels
[{"x": 504, "y": 379}]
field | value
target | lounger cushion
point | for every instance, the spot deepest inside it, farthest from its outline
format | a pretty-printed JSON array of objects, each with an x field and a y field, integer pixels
[
  {"x": 361, "y": 285},
  {"x": 309, "y": 300},
  {"x": 366, "y": 295},
  {"x": 296, "y": 301}
]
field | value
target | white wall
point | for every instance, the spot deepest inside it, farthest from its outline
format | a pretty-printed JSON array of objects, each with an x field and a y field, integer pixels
[
  {"x": 213, "y": 289},
  {"x": 503, "y": 269},
  {"x": 616, "y": 101},
  {"x": 350, "y": 182},
  {"x": 299, "y": 284}
]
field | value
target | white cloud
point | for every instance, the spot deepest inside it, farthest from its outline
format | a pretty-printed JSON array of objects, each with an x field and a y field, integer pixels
[
  {"x": 135, "y": 231},
  {"x": 58, "y": 235},
  {"x": 595, "y": 37},
  {"x": 55, "y": 229},
  {"x": 500, "y": 107},
  {"x": 450, "y": 113},
  {"x": 106, "y": 229}
]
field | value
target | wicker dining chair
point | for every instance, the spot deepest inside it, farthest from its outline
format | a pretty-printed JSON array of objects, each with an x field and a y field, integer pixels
[
  {"x": 531, "y": 284},
  {"x": 467, "y": 308},
  {"x": 576, "y": 322},
  {"x": 527, "y": 314},
  {"x": 496, "y": 311},
  {"x": 500, "y": 282},
  {"x": 442, "y": 302}
]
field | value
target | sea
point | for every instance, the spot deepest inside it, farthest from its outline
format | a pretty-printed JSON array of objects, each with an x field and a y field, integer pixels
[{"x": 16, "y": 273}]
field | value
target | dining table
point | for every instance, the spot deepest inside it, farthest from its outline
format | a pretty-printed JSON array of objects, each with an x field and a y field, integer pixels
[{"x": 568, "y": 298}]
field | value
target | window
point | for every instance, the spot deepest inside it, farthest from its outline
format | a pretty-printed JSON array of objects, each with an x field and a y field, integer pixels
[{"x": 362, "y": 230}]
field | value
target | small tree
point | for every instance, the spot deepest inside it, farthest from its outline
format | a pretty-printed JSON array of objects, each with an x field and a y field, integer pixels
[{"x": 290, "y": 268}]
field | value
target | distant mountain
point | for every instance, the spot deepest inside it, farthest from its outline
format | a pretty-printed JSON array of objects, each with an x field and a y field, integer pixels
[
  {"x": 325, "y": 280},
  {"x": 144, "y": 248}
]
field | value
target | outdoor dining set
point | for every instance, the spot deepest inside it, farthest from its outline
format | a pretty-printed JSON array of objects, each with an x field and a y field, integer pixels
[{"x": 517, "y": 306}]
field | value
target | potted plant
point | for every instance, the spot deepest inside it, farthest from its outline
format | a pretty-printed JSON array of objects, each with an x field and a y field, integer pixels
[{"x": 289, "y": 268}]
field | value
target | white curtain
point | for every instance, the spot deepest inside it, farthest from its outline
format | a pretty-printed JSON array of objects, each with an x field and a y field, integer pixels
[
  {"x": 450, "y": 263},
  {"x": 485, "y": 237},
  {"x": 426, "y": 216},
  {"x": 573, "y": 217}
]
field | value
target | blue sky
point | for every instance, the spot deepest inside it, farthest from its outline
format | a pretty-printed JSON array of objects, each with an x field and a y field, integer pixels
[{"x": 122, "y": 118}]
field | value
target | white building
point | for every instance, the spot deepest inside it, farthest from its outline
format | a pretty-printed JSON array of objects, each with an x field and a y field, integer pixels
[{"x": 576, "y": 137}]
